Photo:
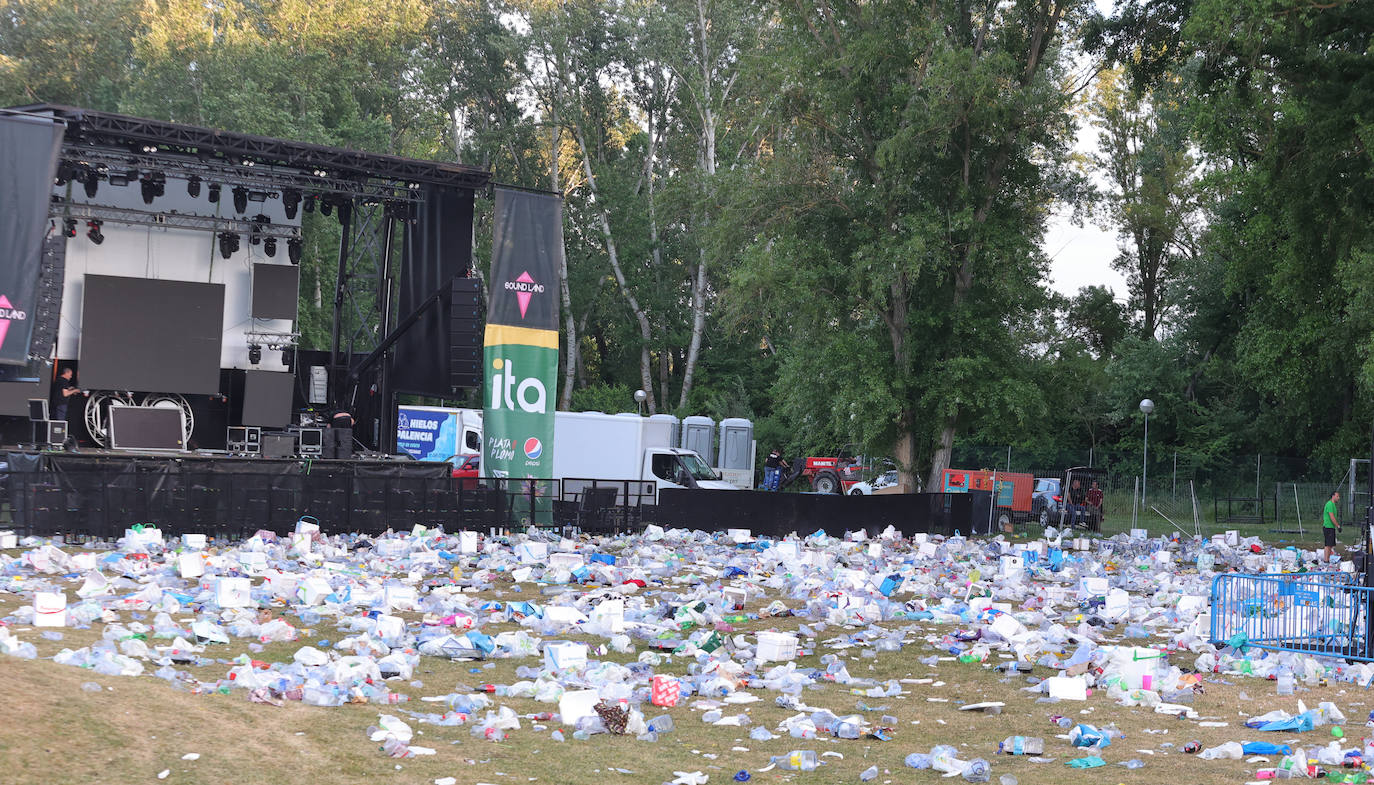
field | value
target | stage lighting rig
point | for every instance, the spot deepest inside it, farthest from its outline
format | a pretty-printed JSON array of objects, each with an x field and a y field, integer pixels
[
  {"x": 310, "y": 200},
  {"x": 293, "y": 250},
  {"x": 240, "y": 199},
  {"x": 269, "y": 247},
  {"x": 65, "y": 173},
  {"x": 254, "y": 353},
  {"x": 193, "y": 186},
  {"x": 68, "y": 227},
  {"x": 153, "y": 185},
  {"x": 90, "y": 178},
  {"x": 290, "y": 200},
  {"x": 93, "y": 231},
  {"x": 260, "y": 222},
  {"x": 228, "y": 244},
  {"x": 214, "y": 193},
  {"x": 122, "y": 179}
]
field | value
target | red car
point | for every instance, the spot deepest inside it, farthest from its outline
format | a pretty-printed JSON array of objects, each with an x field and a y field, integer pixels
[{"x": 467, "y": 472}]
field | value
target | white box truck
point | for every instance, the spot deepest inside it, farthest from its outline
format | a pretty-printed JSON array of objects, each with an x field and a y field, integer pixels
[{"x": 586, "y": 446}]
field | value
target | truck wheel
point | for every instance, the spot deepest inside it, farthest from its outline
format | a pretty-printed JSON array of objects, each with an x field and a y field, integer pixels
[
  {"x": 826, "y": 482},
  {"x": 1044, "y": 516},
  {"x": 1004, "y": 522}
]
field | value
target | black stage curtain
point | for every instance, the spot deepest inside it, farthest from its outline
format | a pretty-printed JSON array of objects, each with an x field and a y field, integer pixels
[{"x": 28, "y": 164}]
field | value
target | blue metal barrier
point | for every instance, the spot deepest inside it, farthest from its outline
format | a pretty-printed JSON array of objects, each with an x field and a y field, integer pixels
[{"x": 1324, "y": 614}]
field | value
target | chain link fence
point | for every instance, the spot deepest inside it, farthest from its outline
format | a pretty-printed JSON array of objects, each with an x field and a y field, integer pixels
[{"x": 1189, "y": 492}]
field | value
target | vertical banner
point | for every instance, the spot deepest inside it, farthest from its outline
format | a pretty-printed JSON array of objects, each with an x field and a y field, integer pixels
[
  {"x": 28, "y": 164},
  {"x": 521, "y": 339}
]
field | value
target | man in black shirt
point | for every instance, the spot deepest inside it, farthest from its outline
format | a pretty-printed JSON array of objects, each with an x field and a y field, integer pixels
[
  {"x": 1077, "y": 498},
  {"x": 772, "y": 470},
  {"x": 64, "y": 387}
]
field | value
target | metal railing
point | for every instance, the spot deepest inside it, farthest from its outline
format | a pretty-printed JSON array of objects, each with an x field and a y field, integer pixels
[{"x": 1323, "y": 614}]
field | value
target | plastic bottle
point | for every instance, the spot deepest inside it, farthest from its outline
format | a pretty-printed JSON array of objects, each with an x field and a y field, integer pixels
[
  {"x": 1021, "y": 745},
  {"x": 978, "y": 770},
  {"x": 661, "y": 724},
  {"x": 397, "y": 749},
  {"x": 1286, "y": 682},
  {"x": 796, "y": 760},
  {"x": 869, "y": 774}
]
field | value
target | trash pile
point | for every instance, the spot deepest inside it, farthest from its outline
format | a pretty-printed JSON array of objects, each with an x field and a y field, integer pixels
[{"x": 681, "y": 620}]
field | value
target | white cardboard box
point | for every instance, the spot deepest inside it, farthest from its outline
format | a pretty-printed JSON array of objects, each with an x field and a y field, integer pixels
[
  {"x": 739, "y": 535},
  {"x": 576, "y": 704},
  {"x": 50, "y": 609},
  {"x": 8, "y": 539},
  {"x": 1067, "y": 688},
  {"x": 467, "y": 542},
  {"x": 233, "y": 592},
  {"x": 1012, "y": 566},
  {"x": 194, "y": 542},
  {"x": 562, "y": 655},
  {"x": 190, "y": 565},
  {"x": 313, "y": 591},
  {"x": 776, "y": 647}
]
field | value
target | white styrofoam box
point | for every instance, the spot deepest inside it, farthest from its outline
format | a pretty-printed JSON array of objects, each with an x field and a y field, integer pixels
[
  {"x": 565, "y": 544},
  {"x": 734, "y": 599},
  {"x": 822, "y": 559},
  {"x": 50, "y": 609},
  {"x": 1163, "y": 557},
  {"x": 1082, "y": 544},
  {"x": 194, "y": 542},
  {"x": 562, "y": 655},
  {"x": 875, "y": 549},
  {"x": 787, "y": 551},
  {"x": 1007, "y": 626},
  {"x": 564, "y": 614},
  {"x": 1118, "y": 604},
  {"x": 776, "y": 647},
  {"x": 1067, "y": 688},
  {"x": 927, "y": 550},
  {"x": 610, "y": 613},
  {"x": 532, "y": 552},
  {"x": 1140, "y": 534},
  {"x": 149, "y": 535},
  {"x": 253, "y": 562},
  {"x": 1232, "y": 537},
  {"x": 1093, "y": 587},
  {"x": 979, "y": 604},
  {"x": 576, "y": 704},
  {"x": 307, "y": 527},
  {"x": 233, "y": 592},
  {"x": 9, "y": 539},
  {"x": 1012, "y": 566},
  {"x": 564, "y": 561},
  {"x": 919, "y": 537},
  {"x": 390, "y": 626},
  {"x": 739, "y": 535},
  {"x": 191, "y": 565},
  {"x": 859, "y": 535},
  {"x": 313, "y": 591},
  {"x": 467, "y": 542},
  {"x": 400, "y": 598},
  {"x": 83, "y": 561},
  {"x": 300, "y": 543}
]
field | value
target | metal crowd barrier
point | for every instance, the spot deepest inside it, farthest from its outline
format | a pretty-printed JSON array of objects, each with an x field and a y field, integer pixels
[{"x": 1322, "y": 614}]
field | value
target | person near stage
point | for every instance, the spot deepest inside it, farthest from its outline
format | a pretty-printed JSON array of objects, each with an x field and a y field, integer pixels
[
  {"x": 772, "y": 470},
  {"x": 63, "y": 388},
  {"x": 1095, "y": 505},
  {"x": 340, "y": 435},
  {"x": 1077, "y": 502},
  {"x": 1330, "y": 525}
]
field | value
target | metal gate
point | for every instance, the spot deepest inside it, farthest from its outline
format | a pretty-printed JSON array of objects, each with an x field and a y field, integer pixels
[{"x": 1324, "y": 614}]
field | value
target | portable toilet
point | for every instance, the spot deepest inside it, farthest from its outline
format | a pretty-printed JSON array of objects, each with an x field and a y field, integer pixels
[
  {"x": 674, "y": 422},
  {"x": 698, "y": 435},
  {"x": 737, "y": 451}
]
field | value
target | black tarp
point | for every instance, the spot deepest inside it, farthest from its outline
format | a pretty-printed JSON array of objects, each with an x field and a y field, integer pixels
[
  {"x": 780, "y": 514},
  {"x": 437, "y": 248},
  {"x": 28, "y": 164}
]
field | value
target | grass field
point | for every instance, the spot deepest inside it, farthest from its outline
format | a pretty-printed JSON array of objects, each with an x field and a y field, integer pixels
[{"x": 135, "y": 728}]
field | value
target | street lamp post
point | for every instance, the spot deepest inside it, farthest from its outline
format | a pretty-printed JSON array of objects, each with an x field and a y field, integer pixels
[
  {"x": 640, "y": 397},
  {"x": 1147, "y": 406}
]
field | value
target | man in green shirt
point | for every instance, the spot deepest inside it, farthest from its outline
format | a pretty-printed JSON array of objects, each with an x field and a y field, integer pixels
[{"x": 1330, "y": 525}]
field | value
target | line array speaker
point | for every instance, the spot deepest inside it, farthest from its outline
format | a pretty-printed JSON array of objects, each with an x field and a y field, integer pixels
[{"x": 465, "y": 335}]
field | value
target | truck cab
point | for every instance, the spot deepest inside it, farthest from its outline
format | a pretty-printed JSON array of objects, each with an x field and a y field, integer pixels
[{"x": 677, "y": 468}]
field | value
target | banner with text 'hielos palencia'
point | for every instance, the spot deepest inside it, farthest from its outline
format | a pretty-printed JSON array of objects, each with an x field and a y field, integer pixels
[{"x": 521, "y": 340}]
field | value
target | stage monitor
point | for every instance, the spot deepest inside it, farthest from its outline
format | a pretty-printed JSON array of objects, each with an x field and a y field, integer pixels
[
  {"x": 147, "y": 428},
  {"x": 267, "y": 398},
  {"x": 275, "y": 291},
  {"x": 38, "y": 409},
  {"x": 147, "y": 335}
]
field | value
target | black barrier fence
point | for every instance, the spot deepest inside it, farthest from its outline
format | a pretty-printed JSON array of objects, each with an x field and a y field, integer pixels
[
  {"x": 99, "y": 497},
  {"x": 780, "y": 514}
]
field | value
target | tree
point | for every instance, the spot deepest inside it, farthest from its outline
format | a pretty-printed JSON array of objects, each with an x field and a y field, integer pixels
[{"x": 1152, "y": 194}]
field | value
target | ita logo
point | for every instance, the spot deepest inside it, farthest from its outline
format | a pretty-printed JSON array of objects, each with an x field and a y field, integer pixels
[{"x": 533, "y": 448}]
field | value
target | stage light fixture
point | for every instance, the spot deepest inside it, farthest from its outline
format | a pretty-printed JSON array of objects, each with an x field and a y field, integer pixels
[
  {"x": 193, "y": 186},
  {"x": 260, "y": 222},
  {"x": 214, "y": 193},
  {"x": 153, "y": 185},
  {"x": 326, "y": 206},
  {"x": 310, "y": 201},
  {"x": 258, "y": 196},
  {"x": 290, "y": 200},
  {"x": 293, "y": 250},
  {"x": 65, "y": 173},
  {"x": 93, "y": 231},
  {"x": 240, "y": 198},
  {"x": 121, "y": 179},
  {"x": 320, "y": 173},
  {"x": 269, "y": 247},
  {"x": 150, "y": 148},
  {"x": 69, "y": 227},
  {"x": 254, "y": 353},
  {"x": 89, "y": 178},
  {"x": 228, "y": 244}
]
